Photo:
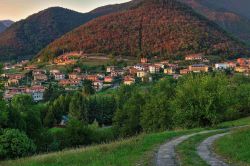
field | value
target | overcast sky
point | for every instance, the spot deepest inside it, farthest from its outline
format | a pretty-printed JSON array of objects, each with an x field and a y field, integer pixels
[{"x": 20, "y": 9}]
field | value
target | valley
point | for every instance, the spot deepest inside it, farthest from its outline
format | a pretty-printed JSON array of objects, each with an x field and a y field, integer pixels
[{"x": 144, "y": 82}]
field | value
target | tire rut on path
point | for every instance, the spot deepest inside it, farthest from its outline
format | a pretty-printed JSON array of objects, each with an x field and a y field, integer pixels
[
  {"x": 205, "y": 151},
  {"x": 166, "y": 155}
]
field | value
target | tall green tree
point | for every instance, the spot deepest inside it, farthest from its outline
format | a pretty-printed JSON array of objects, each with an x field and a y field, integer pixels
[
  {"x": 22, "y": 102},
  {"x": 4, "y": 113},
  {"x": 78, "y": 107},
  {"x": 157, "y": 113},
  {"x": 88, "y": 88},
  {"x": 127, "y": 119}
]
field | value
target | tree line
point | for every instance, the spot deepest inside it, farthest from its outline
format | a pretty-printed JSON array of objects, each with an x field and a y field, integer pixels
[{"x": 195, "y": 100}]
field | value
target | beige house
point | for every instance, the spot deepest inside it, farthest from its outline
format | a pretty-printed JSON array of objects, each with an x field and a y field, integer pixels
[
  {"x": 128, "y": 80},
  {"x": 197, "y": 68},
  {"x": 193, "y": 57},
  {"x": 184, "y": 71},
  {"x": 141, "y": 74},
  {"x": 240, "y": 69},
  {"x": 169, "y": 71},
  {"x": 40, "y": 77}
]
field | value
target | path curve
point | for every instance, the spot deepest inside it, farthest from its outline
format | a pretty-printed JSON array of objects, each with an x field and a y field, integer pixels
[
  {"x": 166, "y": 155},
  {"x": 205, "y": 151}
]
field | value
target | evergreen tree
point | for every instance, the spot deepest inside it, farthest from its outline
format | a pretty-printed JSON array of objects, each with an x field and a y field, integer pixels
[
  {"x": 78, "y": 108},
  {"x": 127, "y": 119}
]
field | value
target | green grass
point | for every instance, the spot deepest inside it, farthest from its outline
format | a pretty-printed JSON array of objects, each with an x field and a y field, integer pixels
[
  {"x": 235, "y": 147},
  {"x": 187, "y": 153},
  {"x": 138, "y": 150},
  {"x": 239, "y": 122},
  {"x": 127, "y": 152}
]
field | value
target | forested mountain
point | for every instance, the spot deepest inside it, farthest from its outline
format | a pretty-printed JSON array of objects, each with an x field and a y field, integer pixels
[
  {"x": 4, "y": 24},
  {"x": 115, "y": 8},
  {"x": 241, "y": 7},
  {"x": 163, "y": 27},
  {"x": 27, "y": 37},
  {"x": 7, "y": 23},
  {"x": 2, "y": 27},
  {"x": 224, "y": 13}
]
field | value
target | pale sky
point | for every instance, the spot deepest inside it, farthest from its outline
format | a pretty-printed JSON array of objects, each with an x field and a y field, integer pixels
[{"x": 20, "y": 9}]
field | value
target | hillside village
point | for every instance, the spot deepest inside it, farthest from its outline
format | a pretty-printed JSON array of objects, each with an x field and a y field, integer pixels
[
  {"x": 30, "y": 79},
  {"x": 139, "y": 82}
]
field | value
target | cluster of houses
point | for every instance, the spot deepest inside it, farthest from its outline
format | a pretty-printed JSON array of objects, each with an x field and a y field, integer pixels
[
  {"x": 68, "y": 58},
  {"x": 34, "y": 81}
]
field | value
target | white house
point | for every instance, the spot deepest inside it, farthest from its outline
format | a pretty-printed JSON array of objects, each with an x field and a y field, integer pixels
[
  {"x": 59, "y": 76},
  {"x": 221, "y": 66},
  {"x": 54, "y": 71},
  {"x": 110, "y": 69},
  {"x": 98, "y": 85},
  {"x": 154, "y": 69},
  {"x": 37, "y": 96},
  {"x": 139, "y": 67}
]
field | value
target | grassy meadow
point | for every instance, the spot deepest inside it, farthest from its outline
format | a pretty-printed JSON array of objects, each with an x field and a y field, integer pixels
[
  {"x": 186, "y": 151},
  {"x": 140, "y": 150},
  {"x": 235, "y": 147},
  {"x": 128, "y": 152},
  {"x": 239, "y": 122}
]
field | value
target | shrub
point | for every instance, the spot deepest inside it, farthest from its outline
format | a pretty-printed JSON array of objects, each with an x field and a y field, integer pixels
[
  {"x": 14, "y": 143},
  {"x": 157, "y": 113},
  {"x": 202, "y": 100},
  {"x": 77, "y": 133}
]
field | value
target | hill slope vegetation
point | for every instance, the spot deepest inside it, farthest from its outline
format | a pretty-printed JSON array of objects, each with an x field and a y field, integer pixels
[
  {"x": 4, "y": 24},
  {"x": 26, "y": 38},
  {"x": 241, "y": 7},
  {"x": 152, "y": 27},
  {"x": 226, "y": 17}
]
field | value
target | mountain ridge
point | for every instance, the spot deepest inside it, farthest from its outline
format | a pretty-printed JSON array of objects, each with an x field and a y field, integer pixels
[
  {"x": 4, "y": 24},
  {"x": 137, "y": 31},
  {"x": 236, "y": 24},
  {"x": 27, "y": 37}
]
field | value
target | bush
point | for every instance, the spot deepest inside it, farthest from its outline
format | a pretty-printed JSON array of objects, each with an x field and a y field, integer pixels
[
  {"x": 202, "y": 100},
  {"x": 14, "y": 143},
  {"x": 101, "y": 135},
  {"x": 157, "y": 113},
  {"x": 77, "y": 133}
]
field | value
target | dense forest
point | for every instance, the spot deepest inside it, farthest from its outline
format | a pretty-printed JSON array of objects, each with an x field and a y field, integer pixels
[
  {"x": 233, "y": 22},
  {"x": 2, "y": 27},
  {"x": 166, "y": 27},
  {"x": 195, "y": 100},
  {"x": 4, "y": 24},
  {"x": 27, "y": 37}
]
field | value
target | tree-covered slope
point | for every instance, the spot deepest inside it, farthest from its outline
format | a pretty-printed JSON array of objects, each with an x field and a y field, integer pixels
[
  {"x": 27, "y": 37},
  {"x": 4, "y": 24},
  {"x": 2, "y": 27},
  {"x": 164, "y": 27},
  {"x": 225, "y": 16},
  {"x": 241, "y": 7}
]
